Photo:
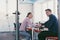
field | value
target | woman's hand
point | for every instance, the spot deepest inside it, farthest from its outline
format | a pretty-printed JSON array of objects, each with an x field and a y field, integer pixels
[{"x": 39, "y": 25}]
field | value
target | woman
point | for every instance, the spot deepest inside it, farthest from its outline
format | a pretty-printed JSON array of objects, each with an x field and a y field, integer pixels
[{"x": 26, "y": 23}]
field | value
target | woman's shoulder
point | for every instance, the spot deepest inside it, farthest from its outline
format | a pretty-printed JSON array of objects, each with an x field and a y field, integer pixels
[{"x": 26, "y": 18}]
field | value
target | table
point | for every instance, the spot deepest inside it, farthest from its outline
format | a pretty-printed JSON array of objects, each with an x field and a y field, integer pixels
[{"x": 36, "y": 30}]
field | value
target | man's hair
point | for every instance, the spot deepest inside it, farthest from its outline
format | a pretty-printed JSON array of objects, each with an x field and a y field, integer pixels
[{"x": 48, "y": 10}]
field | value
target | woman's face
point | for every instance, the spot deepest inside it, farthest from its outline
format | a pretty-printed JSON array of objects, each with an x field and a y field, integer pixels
[{"x": 30, "y": 16}]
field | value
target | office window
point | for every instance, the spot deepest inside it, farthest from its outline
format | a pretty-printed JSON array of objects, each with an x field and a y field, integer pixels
[
  {"x": 44, "y": 16},
  {"x": 37, "y": 12},
  {"x": 24, "y": 9},
  {"x": 52, "y": 4}
]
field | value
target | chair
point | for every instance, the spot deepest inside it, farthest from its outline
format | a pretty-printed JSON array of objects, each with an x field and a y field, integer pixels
[
  {"x": 51, "y": 38},
  {"x": 15, "y": 25},
  {"x": 20, "y": 36}
]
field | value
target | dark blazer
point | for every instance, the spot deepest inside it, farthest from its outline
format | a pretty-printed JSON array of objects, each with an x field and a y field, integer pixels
[{"x": 52, "y": 24}]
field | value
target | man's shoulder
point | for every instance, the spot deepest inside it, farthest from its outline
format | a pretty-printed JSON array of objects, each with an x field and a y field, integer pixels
[{"x": 53, "y": 16}]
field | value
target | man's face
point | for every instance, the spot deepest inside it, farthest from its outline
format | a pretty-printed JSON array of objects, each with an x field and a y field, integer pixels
[{"x": 48, "y": 13}]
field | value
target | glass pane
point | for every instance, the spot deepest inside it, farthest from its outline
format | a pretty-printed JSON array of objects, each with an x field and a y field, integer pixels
[
  {"x": 7, "y": 7},
  {"x": 7, "y": 17}
]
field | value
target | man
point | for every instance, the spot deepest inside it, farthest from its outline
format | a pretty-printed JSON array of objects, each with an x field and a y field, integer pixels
[{"x": 51, "y": 24}]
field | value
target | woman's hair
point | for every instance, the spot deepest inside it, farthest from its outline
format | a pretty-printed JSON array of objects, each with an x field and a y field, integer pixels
[{"x": 28, "y": 14}]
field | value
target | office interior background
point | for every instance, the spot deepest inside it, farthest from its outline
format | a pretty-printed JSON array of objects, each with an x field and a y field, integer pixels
[{"x": 37, "y": 7}]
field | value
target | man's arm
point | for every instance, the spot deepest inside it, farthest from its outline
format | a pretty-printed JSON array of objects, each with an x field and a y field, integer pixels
[{"x": 50, "y": 22}]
